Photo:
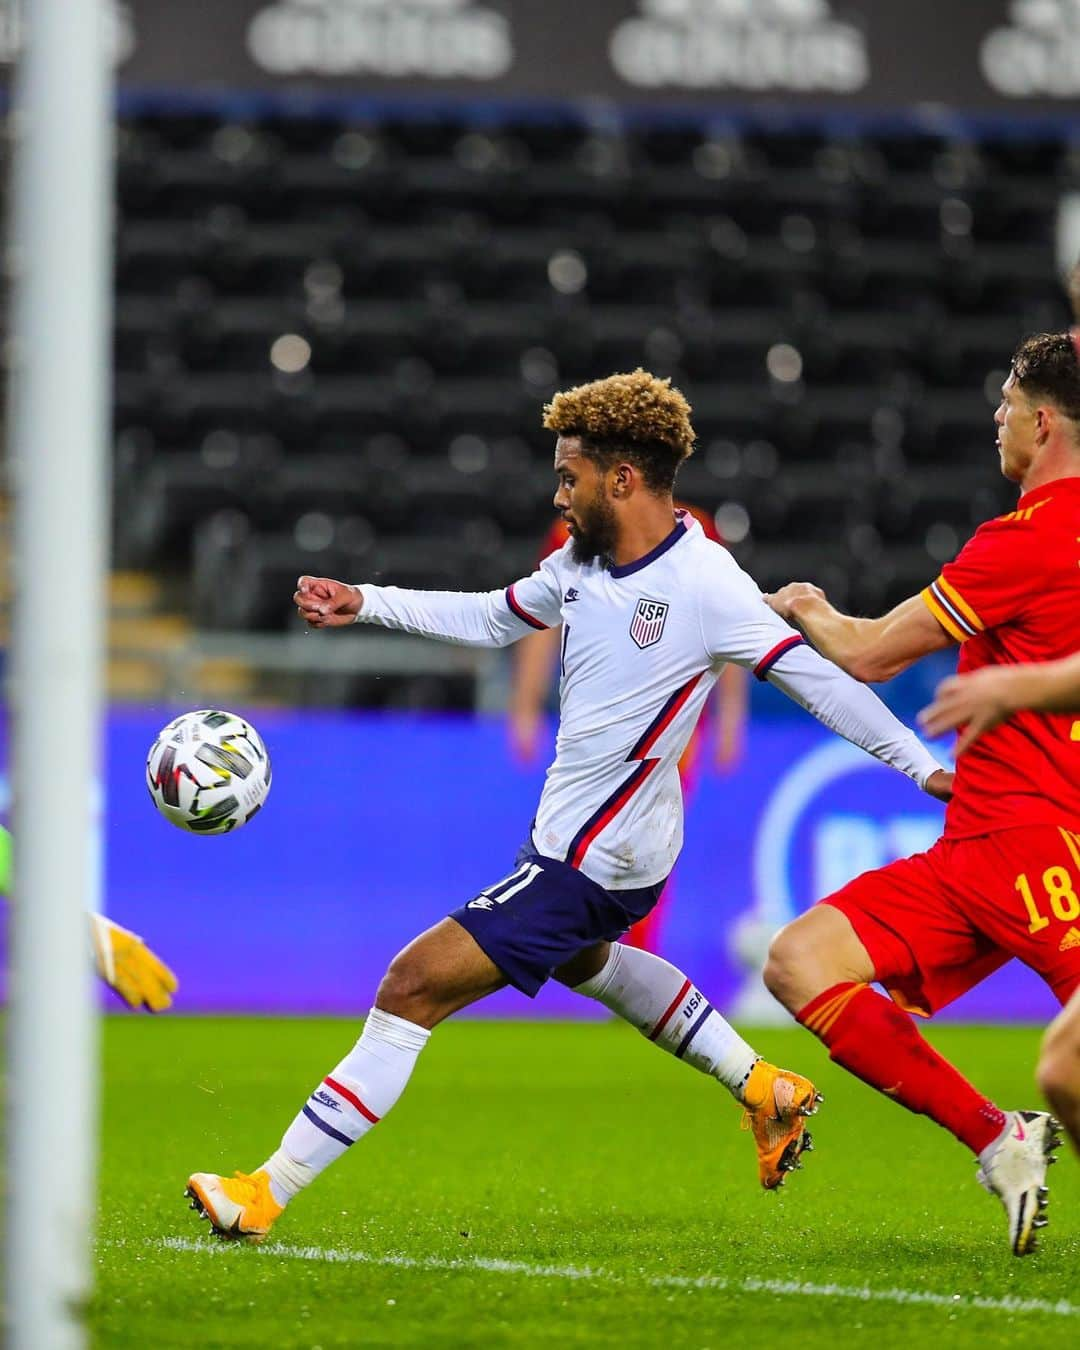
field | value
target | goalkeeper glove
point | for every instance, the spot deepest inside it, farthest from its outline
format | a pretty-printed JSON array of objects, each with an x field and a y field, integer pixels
[{"x": 127, "y": 965}]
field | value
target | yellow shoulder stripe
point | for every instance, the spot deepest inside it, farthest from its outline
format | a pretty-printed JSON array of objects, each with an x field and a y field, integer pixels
[
  {"x": 943, "y": 618},
  {"x": 951, "y": 593}
]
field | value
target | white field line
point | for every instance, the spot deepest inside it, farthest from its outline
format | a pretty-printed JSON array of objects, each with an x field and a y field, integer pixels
[{"x": 746, "y": 1285}]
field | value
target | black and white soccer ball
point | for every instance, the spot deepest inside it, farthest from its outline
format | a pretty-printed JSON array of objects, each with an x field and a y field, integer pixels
[{"x": 208, "y": 771}]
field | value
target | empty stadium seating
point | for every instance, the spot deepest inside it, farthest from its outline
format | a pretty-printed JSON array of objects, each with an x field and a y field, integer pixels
[{"x": 334, "y": 338}]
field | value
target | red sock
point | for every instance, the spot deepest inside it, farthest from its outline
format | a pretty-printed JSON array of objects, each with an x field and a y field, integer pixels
[{"x": 873, "y": 1039}]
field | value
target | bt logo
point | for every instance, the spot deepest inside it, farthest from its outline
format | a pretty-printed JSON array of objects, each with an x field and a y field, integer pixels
[
  {"x": 833, "y": 815},
  {"x": 846, "y": 845}
]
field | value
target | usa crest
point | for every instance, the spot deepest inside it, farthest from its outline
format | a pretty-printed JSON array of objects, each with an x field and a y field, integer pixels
[{"x": 647, "y": 625}]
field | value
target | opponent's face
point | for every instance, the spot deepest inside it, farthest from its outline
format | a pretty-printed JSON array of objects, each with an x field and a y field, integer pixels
[
  {"x": 1017, "y": 424},
  {"x": 583, "y": 500}
]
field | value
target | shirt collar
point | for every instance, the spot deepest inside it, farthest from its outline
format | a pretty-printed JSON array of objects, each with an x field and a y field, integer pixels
[{"x": 627, "y": 569}]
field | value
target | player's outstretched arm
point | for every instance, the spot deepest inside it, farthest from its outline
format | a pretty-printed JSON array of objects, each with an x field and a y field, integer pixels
[
  {"x": 127, "y": 965},
  {"x": 870, "y": 650},
  {"x": 856, "y": 713},
  {"x": 468, "y": 618},
  {"x": 738, "y": 627},
  {"x": 984, "y": 698}
]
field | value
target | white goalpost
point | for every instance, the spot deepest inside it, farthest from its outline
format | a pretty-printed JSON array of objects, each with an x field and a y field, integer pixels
[{"x": 57, "y": 428}]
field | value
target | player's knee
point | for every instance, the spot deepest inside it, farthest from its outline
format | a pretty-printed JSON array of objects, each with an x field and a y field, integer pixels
[
  {"x": 784, "y": 968},
  {"x": 407, "y": 989},
  {"x": 803, "y": 961}
]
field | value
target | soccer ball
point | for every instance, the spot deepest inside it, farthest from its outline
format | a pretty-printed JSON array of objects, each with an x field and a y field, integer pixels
[{"x": 208, "y": 771}]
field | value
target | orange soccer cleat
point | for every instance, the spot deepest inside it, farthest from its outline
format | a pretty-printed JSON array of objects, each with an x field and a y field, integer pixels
[
  {"x": 239, "y": 1206},
  {"x": 777, "y": 1103}
]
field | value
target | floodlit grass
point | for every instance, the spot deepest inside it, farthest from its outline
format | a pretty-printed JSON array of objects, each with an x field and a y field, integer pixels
[{"x": 606, "y": 1176}]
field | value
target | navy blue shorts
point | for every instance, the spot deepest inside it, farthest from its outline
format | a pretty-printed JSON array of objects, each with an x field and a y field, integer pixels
[{"x": 537, "y": 918}]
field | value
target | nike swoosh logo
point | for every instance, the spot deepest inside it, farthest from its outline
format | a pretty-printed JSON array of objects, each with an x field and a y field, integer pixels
[{"x": 1019, "y": 1133}]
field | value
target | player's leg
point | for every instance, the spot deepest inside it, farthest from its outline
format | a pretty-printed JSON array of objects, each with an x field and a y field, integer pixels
[
  {"x": 820, "y": 970},
  {"x": 671, "y": 1011},
  {"x": 438, "y": 973},
  {"x": 899, "y": 926},
  {"x": 665, "y": 1006},
  {"x": 1035, "y": 915},
  {"x": 1059, "y": 1067}
]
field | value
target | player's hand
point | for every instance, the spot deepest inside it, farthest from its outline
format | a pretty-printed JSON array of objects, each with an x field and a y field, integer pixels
[
  {"x": 786, "y": 600},
  {"x": 939, "y": 785},
  {"x": 979, "y": 699},
  {"x": 323, "y": 603},
  {"x": 127, "y": 965}
]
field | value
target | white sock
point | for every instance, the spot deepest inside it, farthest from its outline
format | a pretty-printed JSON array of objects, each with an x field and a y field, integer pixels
[
  {"x": 352, "y": 1098},
  {"x": 670, "y": 1010}
]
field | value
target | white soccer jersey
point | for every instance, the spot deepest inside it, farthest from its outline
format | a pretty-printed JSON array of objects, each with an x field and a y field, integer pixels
[{"x": 642, "y": 645}]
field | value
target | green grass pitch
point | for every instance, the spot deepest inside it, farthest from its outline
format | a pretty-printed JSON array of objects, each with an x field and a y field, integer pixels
[{"x": 560, "y": 1185}]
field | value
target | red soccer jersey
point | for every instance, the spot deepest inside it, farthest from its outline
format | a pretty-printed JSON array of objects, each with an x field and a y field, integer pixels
[{"x": 1012, "y": 597}]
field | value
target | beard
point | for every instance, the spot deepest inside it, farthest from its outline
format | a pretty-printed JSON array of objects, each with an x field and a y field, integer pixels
[{"x": 593, "y": 537}]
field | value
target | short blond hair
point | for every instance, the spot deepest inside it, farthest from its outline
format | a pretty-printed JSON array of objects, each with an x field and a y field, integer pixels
[{"x": 637, "y": 415}]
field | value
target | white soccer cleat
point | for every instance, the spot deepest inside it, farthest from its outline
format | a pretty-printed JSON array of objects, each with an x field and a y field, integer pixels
[{"x": 1014, "y": 1167}]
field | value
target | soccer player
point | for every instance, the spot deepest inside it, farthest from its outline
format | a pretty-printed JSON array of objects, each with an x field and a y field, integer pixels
[
  {"x": 123, "y": 960},
  {"x": 536, "y": 659},
  {"x": 978, "y": 702},
  {"x": 650, "y": 610},
  {"x": 1004, "y": 880}
]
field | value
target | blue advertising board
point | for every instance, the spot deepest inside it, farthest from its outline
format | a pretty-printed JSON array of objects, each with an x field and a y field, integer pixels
[{"x": 378, "y": 824}]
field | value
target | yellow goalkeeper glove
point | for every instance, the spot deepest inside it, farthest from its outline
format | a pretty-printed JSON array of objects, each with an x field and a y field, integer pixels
[
  {"x": 127, "y": 965},
  {"x": 123, "y": 960}
]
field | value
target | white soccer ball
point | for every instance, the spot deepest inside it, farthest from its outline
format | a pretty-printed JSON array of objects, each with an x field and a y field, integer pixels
[{"x": 208, "y": 771}]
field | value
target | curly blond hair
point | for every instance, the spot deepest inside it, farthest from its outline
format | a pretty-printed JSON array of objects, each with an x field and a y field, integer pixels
[{"x": 638, "y": 415}]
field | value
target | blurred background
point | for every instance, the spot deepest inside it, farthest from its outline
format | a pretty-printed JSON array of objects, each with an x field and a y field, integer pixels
[{"x": 359, "y": 243}]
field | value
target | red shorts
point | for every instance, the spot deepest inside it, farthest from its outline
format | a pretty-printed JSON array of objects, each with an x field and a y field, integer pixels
[{"x": 938, "y": 923}]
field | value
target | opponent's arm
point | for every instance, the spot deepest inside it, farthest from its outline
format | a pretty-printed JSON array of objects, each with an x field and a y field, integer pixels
[
  {"x": 468, "y": 618},
  {"x": 983, "y": 699},
  {"x": 870, "y": 650}
]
